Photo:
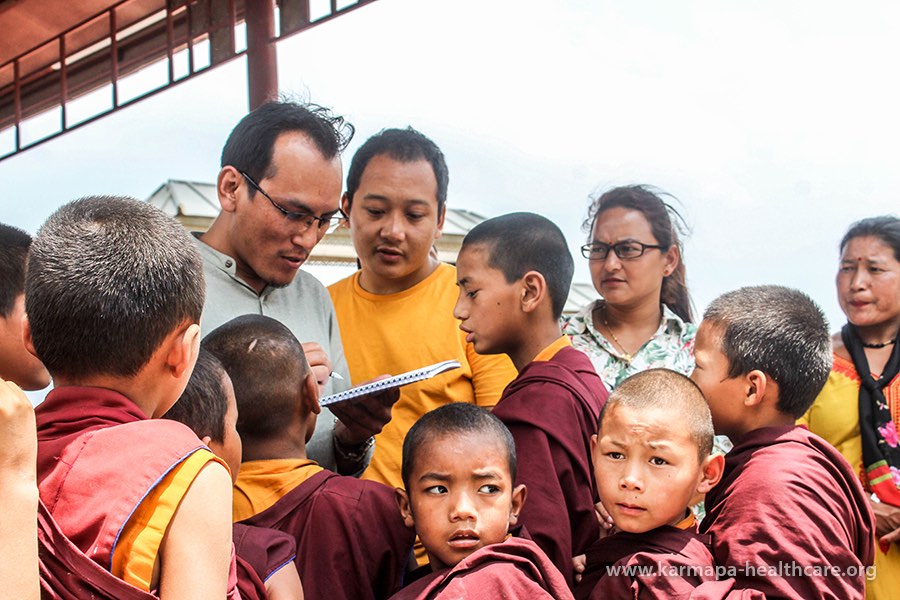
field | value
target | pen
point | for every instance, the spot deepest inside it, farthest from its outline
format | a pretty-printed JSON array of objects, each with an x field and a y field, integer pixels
[{"x": 336, "y": 376}]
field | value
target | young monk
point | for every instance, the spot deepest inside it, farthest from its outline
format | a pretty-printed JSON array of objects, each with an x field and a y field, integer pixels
[
  {"x": 265, "y": 557},
  {"x": 114, "y": 290},
  {"x": 652, "y": 456},
  {"x": 514, "y": 275},
  {"x": 351, "y": 540},
  {"x": 16, "y": 363},
  {"x": 459, "y": 464},
  {"x": 789, "y": 516}
]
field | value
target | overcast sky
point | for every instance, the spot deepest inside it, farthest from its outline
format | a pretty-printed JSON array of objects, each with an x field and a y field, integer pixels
[{"x": 774, "y": 123}]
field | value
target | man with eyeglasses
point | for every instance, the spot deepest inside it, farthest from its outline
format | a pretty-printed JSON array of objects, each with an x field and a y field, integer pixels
[{"x": 279, "y": 188}]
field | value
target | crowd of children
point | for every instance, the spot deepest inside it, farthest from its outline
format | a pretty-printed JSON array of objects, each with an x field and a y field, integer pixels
[{"x": 169, "y": 467}]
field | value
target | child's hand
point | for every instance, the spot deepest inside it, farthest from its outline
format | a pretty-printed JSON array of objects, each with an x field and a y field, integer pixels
[
  {"x": 578, "y": 563},
  {"x": 607, "y": 527},
  {"x": 887, "y": 522},
  {"x": 18, "y": 435}
]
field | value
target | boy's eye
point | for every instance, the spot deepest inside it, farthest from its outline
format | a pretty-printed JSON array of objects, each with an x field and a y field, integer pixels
[
  {"x": 436, "y": 490},
  {"x": 659, "y": 462},
  {"x": 472, "y": 294},
  {"x": 489, "y": 488},
  {"x": 374, "y": 212},
  {"x": 615, "y": 455},
  {"x": 414, "y": 216}
]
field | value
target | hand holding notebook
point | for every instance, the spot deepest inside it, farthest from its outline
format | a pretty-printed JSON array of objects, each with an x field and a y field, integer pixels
[{"x": 391, "y": 382}]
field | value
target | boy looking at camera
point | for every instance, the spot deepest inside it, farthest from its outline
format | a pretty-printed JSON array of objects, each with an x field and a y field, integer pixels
[
  {"x": 514, "y": 275},
  {"x": 652, "y": 456}
]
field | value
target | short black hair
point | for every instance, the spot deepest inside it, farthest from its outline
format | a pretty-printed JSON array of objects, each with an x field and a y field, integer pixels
[
  {"x": 14, "y": 245},
  {"x": 672, "y": 391},
  {"x": 779, "y": 331},
  {"x": 521, "y": 242},
  {"x": 267, "y": 366},
  {"x": 404, "y": 145},
  {"x": 204, "y": 402},
  {"x": 108, "y": 279},
  {"x": 886, "y": 228},
  {"x": 458, "y": 418},
  {"x": 251, "y": 143}
]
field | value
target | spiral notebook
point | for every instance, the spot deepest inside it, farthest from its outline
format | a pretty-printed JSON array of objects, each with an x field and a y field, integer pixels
[{"x": 392, "y": 382}]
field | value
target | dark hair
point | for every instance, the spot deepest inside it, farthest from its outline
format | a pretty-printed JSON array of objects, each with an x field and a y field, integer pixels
[
  {"x": 456, "y": 418},
  {"x": 522, "y": 242},
  {"x": 404, "y": 145},
  {"x": 779, "y": 331},
  {"x": 108, "y": 279},
  {"x": 14, "y": 244},
  {"x": 251, "y": 143},
  {"x": 672, "y": 391},
  {"x": 204, "y": 402},
  {"x": 886, "y": 228},
  {"x": 665, "y": 222},
  {"x": 267, "y": 365}
]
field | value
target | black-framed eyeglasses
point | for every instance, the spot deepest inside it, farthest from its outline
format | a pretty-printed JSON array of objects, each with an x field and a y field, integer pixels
[
  {"x": 624, "y": 250},
  {"x": 304, "y": 219}
]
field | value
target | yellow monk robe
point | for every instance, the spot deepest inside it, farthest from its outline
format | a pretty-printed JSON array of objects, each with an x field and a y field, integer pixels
[
  {"x": 834, "y": 416},
  {"x": 395, "y": 333},
  {"x": 550, "y": 351},
  {"x": 137, "y": 550},
  {"x": 262, "y": 483}
]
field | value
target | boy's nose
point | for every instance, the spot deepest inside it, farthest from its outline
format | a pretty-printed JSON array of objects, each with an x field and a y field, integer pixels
[{"x": 463, "y": 509}]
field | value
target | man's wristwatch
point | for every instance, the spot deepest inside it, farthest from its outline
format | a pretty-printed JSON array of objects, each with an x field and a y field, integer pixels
[{"x": 354, "y": 453}]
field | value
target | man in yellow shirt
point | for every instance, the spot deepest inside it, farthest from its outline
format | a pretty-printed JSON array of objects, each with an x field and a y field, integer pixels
[{"x": 396, "y": 312}]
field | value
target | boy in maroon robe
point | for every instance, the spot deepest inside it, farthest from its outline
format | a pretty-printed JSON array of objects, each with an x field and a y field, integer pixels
[
  {"x": 514, "y": 275},
  {"x": 114, "y": 291},
  {"x": 459, "y": 464},
  {"x": 351, "y": 540},
  {"x": 265, "y": 557},
  {"x": 652, "y": 456},
  {"x": 789, "y": 517}
]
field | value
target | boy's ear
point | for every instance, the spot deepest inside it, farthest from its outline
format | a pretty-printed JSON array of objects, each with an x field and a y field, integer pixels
[
  {"x": 227, "y": 185},
  {"x": 183, "y": 350},
  {"x": 534, "y": 289},
  {"x": 440, "y": 222},
  {"x": 405, "y": 509},
  {"x": 593, "y": 444},
  {"x": 520, "y": 493},
  {"x": 26, "y": 337},
  {"x": 311, "y": 393},
  {"x": 757, "y": 384},
  {"x": 712, "y": 469},
  {"x": 206, "y": 440}
]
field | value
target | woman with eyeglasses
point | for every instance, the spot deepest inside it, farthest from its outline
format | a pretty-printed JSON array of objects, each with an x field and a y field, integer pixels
[
  {"x": 858, "y": 410},
  {"x": 643, "y": 318}
]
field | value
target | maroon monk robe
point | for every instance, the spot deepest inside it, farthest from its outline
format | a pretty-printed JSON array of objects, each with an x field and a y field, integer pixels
[
  {"x": 68, "y": 574},
  {"x": 261, "y": 552},
  {"x": 351, "y": 540},
  {"x": 515, "y": 568},
  {"x": 788, "y": 501},
  {"x": 664, "y": 563},
  {"x": 98, "y": 457},
  {"x": 552, "y": 408}
]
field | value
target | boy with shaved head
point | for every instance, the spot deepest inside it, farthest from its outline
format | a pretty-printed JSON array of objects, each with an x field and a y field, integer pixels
[
  {"x": 652, "y": 456},
  {"x": 351, "y": 540},
  {"x": 459, "y": 468},
  {"x": 514, "y": 276},
  {"x": 789, "y": 515}
]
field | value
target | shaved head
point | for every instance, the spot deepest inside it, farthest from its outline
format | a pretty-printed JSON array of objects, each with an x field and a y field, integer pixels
[{"x": 673, "y": 392}]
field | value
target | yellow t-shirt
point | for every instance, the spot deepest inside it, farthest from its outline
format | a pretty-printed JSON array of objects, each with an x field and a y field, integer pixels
[
  {"x": 262, "y": 483},
  {"x": 834, "y": 416},
  {"x": 395, "y": 333}
]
